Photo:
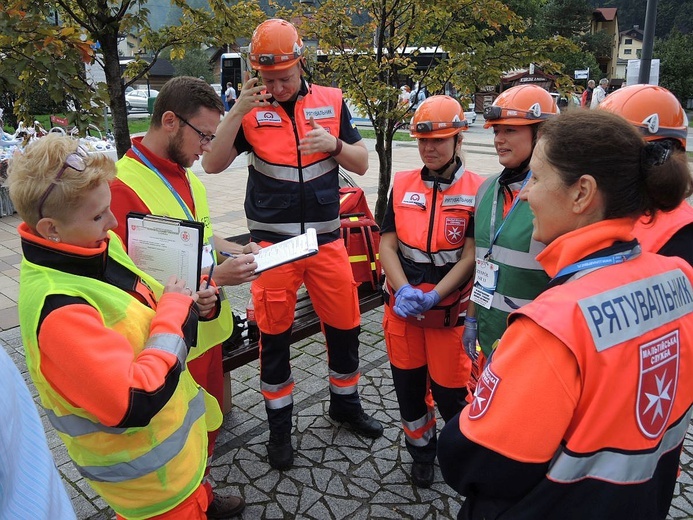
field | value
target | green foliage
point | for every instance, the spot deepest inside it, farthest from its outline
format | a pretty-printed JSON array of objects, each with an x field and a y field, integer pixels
[
  {"x": 676, "y": 64},
  {"x": 194, "y": 63},
  {"x": 567, "y": 18}
]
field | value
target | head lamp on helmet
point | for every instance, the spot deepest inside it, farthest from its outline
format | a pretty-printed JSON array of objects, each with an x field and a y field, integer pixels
[
  {"x": 438, "y": 117},
  {"x": 521, "y": 105},
  {"x": 653, "y": 110}
]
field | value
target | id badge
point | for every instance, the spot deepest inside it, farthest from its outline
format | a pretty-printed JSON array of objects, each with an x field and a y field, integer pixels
[{"x": 485, "y": 282}]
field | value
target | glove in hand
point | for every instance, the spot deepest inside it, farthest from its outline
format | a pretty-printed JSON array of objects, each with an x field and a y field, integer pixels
[
  {"x": 469, "y": 337},
  {"x": 430, "y": 299},
  {"x": 408, "y": 301}
]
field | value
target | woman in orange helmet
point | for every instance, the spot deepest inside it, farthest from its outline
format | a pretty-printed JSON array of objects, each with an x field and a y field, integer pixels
[
  {"x": 660, "y": 118},
  {"x": 507, "y": 274},
  {"x": 427, "y": 251}
]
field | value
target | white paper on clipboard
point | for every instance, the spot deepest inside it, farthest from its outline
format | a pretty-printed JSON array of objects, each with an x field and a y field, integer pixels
[
  {"x": 289, "y": 250},
  {"x": 164, "y": 246}
]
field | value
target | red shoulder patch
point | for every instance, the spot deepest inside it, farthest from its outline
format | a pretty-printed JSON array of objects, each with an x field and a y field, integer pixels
[{"x": 485, "y": 388}]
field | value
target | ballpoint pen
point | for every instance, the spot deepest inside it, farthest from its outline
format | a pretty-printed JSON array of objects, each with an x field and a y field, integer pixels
[
  {"x": 209, "y": 276},
  {"x": 229, "y": 255}
]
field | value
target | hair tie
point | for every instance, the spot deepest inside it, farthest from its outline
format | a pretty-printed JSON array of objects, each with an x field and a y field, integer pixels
[{"x": 655, "y": 153}]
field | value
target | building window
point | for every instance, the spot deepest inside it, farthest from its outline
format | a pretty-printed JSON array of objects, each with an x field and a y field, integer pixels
[
  {"x": 628, "y": 51},
  {"x": 629, "y": 41}
]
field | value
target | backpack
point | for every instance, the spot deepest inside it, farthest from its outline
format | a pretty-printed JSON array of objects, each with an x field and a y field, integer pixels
[{"x": 361, "y": 236}]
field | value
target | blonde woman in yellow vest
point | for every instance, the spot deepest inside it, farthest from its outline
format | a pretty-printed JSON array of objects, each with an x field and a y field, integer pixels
[
  {"x": 154, "y": 177},
  {"x": 106, "y": 354}
]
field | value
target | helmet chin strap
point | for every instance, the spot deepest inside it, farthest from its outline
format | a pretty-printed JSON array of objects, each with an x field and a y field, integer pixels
[{"x": 447, "y": 170}]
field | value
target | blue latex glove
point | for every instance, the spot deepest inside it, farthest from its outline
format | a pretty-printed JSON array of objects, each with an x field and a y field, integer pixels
[
  {"x": 469, "y": 337},
  {"x": 408, "y": 301},
  {"x": 430, "y": 299}
]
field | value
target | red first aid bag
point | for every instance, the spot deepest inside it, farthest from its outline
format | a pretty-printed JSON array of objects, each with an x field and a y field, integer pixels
[{"x": 361, "y": 236}]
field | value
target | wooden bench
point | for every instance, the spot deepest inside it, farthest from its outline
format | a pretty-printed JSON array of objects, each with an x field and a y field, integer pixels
[{"x": 238, "y": 350}]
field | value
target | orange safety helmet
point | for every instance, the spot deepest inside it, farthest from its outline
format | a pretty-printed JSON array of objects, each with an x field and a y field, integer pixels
[
  {"x": 438, "y": 117},
  {"x": 653, "y": 110},
  {"x": 521, "y": 105},
  {"x": 275, "y": 45}
]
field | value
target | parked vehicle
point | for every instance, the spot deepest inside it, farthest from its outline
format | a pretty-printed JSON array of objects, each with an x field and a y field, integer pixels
[{"x": 139, "y": 99}]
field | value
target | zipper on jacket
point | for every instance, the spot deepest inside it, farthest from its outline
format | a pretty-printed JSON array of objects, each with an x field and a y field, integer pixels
[
  {"x": 301, "y": 190},
  {"x": 436, "y": 189}
]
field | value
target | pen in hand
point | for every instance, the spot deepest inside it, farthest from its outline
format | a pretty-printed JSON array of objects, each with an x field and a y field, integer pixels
[
  {"x": 209, "y": 276},
  {"x": 229, "y": 255}
]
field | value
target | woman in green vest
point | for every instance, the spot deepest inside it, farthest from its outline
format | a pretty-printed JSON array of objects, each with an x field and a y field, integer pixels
[{"x": 106, "y": 344}]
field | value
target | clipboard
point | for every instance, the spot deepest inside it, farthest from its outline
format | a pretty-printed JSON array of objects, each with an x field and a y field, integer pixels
[
  {"x": 164, "y": 246},
  {"x": 289, "y": 250}
]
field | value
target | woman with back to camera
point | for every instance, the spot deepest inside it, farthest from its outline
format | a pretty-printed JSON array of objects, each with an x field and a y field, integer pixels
[
  {"x": 660, "y": 118},
  {"x": 427, "y": 251},
  {"x": 582, "y": 409},
  {"x": 136, "y": 427}
]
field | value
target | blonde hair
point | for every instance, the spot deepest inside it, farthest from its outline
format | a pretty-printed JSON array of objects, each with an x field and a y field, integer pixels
[{"x": 31, "y": 173}]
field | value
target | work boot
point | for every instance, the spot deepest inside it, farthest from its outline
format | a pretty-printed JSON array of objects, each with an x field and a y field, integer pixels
[
  {"x": 280, "y": 452},
  {"x": 422, "y": 474},
  {"x": 360, "y": 422},
  {"x": 225, "y": 507}
]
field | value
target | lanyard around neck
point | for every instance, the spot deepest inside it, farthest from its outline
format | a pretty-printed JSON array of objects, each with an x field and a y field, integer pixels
[
  {"x": 597, "y": 263},
  {"x": 153, "y": 168},
  {"x": 494, "y": 235}
]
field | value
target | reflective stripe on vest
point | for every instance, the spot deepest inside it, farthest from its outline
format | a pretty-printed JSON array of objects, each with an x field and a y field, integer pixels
[
  {"x": 290, "y": 173},
  {"x": 615, "y": 466},
  {"x": 154, "y": 459},
  {"x": 292, "y": 228},
  {"x": 160, "y": 201}
]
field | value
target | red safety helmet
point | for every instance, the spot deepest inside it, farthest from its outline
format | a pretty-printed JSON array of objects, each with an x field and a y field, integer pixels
[
  {"x": 275, "y": 45},
  {"x": 438, "y": 117},
  {"x": 521, "y": 105},
  {"x": 653, "y": 110}
]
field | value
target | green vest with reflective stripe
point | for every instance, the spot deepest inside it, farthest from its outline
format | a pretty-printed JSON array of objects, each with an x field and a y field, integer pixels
[
  {"x": 141, "y": 471},
  {"x": 520, "y": 277},
  {"x": 160, "y": 201}
]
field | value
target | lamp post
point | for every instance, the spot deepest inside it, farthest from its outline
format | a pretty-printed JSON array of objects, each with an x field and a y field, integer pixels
[{"x": 648, "y": 42}]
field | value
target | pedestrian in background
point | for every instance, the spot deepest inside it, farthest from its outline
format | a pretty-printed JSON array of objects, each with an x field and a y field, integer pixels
[
  {"x": 586, "y": 98},
  {"x": 298, "y": 135},
  {"x": 427, "y": 252},
  {"x": 106, "y": 344},
  {"x": 507, "y": 273},
  {"x": 599, "y": 93},
  {"x": 660, "y": 118},
  {"x": 230, "y": 96},
  {"x": 154, "y": 177},
  {"x": 582, "y": 410}
]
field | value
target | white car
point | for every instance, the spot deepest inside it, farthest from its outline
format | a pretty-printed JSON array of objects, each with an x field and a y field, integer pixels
[
  {"x": 139, "y": 99},
  {"x": 470, "y": 117}
]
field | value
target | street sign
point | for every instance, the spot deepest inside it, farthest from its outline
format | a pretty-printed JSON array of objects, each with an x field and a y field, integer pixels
[{"x": 582, "y": 74}]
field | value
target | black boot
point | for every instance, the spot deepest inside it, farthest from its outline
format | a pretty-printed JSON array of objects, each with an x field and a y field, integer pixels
[
  {"x": 280, "y": 452},
  {"x": 422, "y": 474},
  {"x": 360, "y": 422}
]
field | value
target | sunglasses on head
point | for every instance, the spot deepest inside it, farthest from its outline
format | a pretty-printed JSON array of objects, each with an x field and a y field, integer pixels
[{"x": 75, "y": 161}]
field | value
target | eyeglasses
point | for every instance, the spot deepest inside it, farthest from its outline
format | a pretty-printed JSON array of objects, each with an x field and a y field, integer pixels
[
  {"x": 75, "y": 161},
  {"x": 495, "y": 112},
  {"x": 204, "y": 138},
  {"x": 430, "y": 126}
]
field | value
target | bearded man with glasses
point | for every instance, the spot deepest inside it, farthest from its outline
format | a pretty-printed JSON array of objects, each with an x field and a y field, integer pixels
[{"x": 154, "y": 177}]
